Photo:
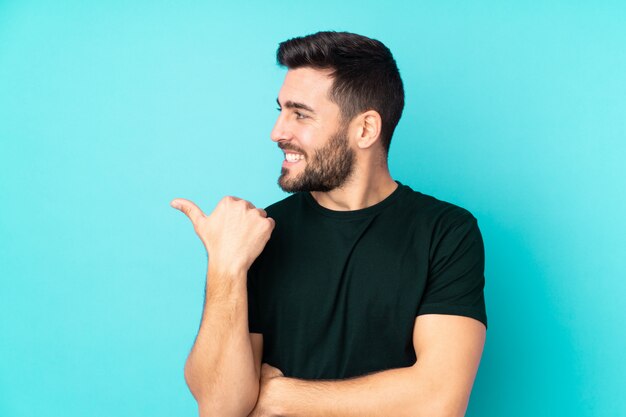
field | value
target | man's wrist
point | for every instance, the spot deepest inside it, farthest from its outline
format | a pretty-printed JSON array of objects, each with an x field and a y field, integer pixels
[{"x": 225, "y": 270}]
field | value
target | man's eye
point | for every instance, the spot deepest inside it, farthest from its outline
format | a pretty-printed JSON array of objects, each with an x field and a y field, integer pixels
[{"x": 300, "y": 115}]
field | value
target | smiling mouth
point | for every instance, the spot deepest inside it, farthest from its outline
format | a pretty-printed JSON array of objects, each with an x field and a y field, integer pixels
[{"x": 293, "y": 157}]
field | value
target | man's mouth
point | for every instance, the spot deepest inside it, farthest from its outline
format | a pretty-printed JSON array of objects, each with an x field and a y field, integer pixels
[{"x": 293, "y": 157}]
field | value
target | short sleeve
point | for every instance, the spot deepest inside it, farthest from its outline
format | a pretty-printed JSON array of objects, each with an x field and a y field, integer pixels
[
  {"x": 456, "y": 274},
  {"x": 254, "y": 311}
]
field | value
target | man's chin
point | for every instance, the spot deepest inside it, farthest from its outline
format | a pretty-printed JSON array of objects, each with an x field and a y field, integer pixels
[
  {"x": 295, "y": 187},
  {"x": 286, "y": 185},
  {"x": 295, "y": 183},
  {"x": 291, "y": 185}
]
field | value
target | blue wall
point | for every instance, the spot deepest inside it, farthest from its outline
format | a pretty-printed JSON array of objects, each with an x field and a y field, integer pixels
[{"x": 109, "y": 110}]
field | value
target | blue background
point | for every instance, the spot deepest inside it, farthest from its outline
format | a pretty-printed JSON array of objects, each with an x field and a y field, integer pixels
[{"x": 108, "y": 110}]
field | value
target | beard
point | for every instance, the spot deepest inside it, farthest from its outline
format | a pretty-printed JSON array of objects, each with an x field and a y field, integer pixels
[{"x": 329, "y": 167}]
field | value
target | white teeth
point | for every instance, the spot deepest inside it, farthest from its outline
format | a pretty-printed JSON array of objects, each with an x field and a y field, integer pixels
[{"x": 292, "y": 157}]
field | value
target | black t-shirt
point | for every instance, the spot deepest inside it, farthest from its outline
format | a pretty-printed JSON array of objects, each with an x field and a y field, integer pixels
[{"x": 336, "y": 293}]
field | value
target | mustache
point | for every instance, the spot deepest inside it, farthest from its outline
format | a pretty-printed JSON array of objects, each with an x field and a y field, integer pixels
[{"x": 285, "y": 147}]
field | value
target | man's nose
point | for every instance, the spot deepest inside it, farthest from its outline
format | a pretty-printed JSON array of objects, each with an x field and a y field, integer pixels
[{"x": 281, "y": 130}]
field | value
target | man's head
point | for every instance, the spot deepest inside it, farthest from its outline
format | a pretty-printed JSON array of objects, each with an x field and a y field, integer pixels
[
  {"x": 334, "y": 79},
  {"x": 365, "y": 75}
]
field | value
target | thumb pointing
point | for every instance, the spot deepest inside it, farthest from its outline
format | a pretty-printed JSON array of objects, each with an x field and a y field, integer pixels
[
  {"x": 175, "y": 203},
  {"x": 188, "y": 208}
]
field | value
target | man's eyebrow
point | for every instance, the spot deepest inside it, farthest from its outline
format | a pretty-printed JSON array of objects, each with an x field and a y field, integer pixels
[{"x": 295, "y": 105}]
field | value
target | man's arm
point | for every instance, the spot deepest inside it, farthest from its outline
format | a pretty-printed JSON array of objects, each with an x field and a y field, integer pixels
[
  {"x": 222, "y": 370},
  {"x": 448, "y": 350}
]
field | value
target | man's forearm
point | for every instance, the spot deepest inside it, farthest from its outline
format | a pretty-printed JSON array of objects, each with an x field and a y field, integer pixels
[
  {"x": 220, "y": 369},
  {"x": 394, "y": 392}
]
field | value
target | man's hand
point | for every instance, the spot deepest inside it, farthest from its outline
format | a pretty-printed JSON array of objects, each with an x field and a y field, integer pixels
[
  {"x": 234, "y": 234},
  {"x": 266, "y": 405}
]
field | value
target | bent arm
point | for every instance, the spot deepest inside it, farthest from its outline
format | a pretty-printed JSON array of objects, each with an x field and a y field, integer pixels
[
  {"x": 220, "y": 371},
  {"x": 448, "y": 350}
]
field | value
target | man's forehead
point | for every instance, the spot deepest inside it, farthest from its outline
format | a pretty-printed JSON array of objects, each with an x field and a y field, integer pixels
[
  {"x": 307, "y": 81},
  {"x": 306, "y": 85}
]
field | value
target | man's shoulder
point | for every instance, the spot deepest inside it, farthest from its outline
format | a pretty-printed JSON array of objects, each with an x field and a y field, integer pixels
[
  {"x": 446, "y": 224},
  {"x": 436, "y": 211}
]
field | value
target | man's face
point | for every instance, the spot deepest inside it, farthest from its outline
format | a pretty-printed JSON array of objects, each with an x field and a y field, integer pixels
[{"x": 318, "y": 156}]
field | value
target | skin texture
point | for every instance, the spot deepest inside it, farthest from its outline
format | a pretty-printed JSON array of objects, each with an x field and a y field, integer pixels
[{"x": 224, "y": 370}]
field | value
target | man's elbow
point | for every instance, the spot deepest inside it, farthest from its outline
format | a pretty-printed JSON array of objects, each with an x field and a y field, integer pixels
[
  {"x": 218, "y": 402},
  {"x": 442, "y": 406},
  {"x": 224, "y": 409},
  {"x": 439, "y": 400},
  {"x": 214, "y": 406}
]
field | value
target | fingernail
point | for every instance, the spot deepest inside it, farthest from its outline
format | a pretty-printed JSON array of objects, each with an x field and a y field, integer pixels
[{"x": 175, "y": 204}]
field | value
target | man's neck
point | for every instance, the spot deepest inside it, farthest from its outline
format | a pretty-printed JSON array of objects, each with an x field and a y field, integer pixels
[{"x": 360, "y": 191}]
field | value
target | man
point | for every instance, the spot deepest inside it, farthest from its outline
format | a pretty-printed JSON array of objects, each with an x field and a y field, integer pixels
[{"x": 367, "y": 299}]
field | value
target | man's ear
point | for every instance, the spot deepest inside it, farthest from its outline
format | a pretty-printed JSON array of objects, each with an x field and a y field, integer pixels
[{"x": 368, "y": 126}]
